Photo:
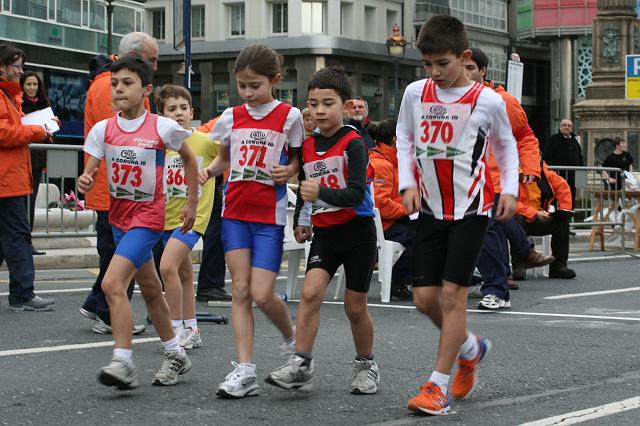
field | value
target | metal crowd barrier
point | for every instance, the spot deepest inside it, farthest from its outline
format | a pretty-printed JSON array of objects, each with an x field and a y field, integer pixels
[
  {"x": 54, "y": 217},
  {"x": 596, "y": 205}
]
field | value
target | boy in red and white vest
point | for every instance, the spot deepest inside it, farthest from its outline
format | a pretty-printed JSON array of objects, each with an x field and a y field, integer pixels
[{"x": 133, "y": 144}]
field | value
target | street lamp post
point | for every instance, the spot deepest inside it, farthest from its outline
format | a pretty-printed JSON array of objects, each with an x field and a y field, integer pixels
[
  {"x": 109, "y": 32},
  {"x": 395, "y": 48}
]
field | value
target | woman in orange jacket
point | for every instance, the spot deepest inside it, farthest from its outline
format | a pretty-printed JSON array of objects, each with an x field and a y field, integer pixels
[
  {"x": 395, "y": 222},
  {"x": 16, "y": 184}
]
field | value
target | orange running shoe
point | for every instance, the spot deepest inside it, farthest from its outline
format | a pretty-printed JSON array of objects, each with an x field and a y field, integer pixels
[
  {"x": 430, "y": 400},
  {"x": 465, "y": 378}
]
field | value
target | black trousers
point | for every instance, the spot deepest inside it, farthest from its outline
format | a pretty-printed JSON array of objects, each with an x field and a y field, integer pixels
[
  {"x": 559, "y": 231},
  {"x": 212, "y": 266}
]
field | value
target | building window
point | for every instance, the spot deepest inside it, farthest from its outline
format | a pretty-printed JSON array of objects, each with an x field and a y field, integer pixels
[
  {"x": 486, "y": 14},
  {"x": 158, "y": 24},
  {"x": 197, "y": 22},
  {"x": 313, "y": 17},
  {"x": 346, "y": 19},
  {"x": 280, "y": 18},
  {"x": 69, "y": 12},
  {"x": 97, "y": 15},
  {"x": 497, "y": 54},
  {"x": 124, "y": 20},
  {"x": 237, "y": 19},
  {"x": 370, "y": 27},
  {"x": 31, "y": 8}
]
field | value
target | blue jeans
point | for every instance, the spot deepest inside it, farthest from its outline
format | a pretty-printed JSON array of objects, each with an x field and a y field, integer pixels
[
  {"x": 96, "y": 301},
  {"x": 15, "y": 248},
  {"x": 212, "y": 266},
  {"x": 494, "y": 258}
]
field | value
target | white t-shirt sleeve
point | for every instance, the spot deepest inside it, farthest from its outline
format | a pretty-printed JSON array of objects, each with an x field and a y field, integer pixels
[
  {"x": 504, "y": 149},
  {"x": 405, "y": 135},
  {"x": 172, "y": 134},
  {"x": 222, "y": 129},
  {"x": 94, "y": 143},
  {"x": 295, "y": 126}
]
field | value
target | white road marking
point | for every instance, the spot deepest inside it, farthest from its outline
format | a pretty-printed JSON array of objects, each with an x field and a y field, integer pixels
[
  {"x": 588, "y": 414},
  {"x": 592, "y": 293},
  {"x": 71, "y": 347},
  {"x": 589, "y": 259},
  {"x": 503, "y": 312}
]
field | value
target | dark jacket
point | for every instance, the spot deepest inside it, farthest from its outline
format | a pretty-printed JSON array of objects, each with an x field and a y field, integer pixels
[
  {"x": 364, "y": 132},
  {"x": 38, "y": 158},
  {"x": 561, "y": 151}
]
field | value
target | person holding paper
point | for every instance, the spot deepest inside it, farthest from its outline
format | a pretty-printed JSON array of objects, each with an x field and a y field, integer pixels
[
  {"x": 16, "y": 184},
  {"x": 34, "y": 98}
]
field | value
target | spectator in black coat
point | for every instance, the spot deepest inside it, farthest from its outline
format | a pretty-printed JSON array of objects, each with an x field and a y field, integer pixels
[
  {"x": 563, "y": 149},
  {"x": 34, "y": 98}
]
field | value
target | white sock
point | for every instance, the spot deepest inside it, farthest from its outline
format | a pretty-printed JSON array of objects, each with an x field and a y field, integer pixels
[
  {"x": 177, "y": 326},
  {"x": 469, "y": 349},
  {"x": 441, "y": 380},
  {"x": 191, "y": 323},
  {"x": 172, "y": 345},
  {"x": 124, "y": 354}
]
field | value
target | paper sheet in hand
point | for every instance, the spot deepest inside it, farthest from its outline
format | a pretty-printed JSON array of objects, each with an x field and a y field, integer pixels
[{"x": 42, "y": 118}]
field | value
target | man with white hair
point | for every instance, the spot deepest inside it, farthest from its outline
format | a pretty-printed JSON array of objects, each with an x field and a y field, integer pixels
[
  {"x": 563, "y": 149},
  {"x": 359, "y": 119},
  {"x": 98, "y": 107}
]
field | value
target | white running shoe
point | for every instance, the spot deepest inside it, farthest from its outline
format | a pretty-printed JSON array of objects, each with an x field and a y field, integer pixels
[
  {"x": 101, "y": 327},
  {"x": 174, "y": 364},
  {"x": 365, "y": 377},
  {"x": 119, "y": 374},
  {"x": 293, "y": 374},
  {"x": 240, "y": 382},
  {"x": 491, "y": 302},
  {"x": 190, "y": 338}
]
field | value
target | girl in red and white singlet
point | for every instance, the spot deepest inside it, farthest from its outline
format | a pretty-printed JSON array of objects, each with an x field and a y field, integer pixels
[{"x": 259, "y": 140}]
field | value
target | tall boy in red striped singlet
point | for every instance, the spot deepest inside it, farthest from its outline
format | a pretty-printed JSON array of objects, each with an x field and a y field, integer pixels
[{"x": 443, "y": 154}]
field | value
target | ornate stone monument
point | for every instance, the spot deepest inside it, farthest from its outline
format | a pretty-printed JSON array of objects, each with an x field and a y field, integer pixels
[{"x": 605, "y": 113}]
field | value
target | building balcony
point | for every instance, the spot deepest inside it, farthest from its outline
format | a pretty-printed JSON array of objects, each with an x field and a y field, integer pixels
[{"x": 555, "y": 18}]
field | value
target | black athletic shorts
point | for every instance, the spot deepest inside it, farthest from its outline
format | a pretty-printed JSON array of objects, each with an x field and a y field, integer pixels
[
  {"x": 447, "y": 250},
  {"x": 352, "y": 244}
]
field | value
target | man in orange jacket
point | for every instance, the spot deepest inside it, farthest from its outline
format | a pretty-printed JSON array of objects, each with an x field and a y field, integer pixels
[
  {"x": 395, "y": 221},
  {"x": 533, "y": 214},
  {"x": 16, "y": 184},
  {"x": 98, "y": 107},
  {"x": 494, "y": 258}
]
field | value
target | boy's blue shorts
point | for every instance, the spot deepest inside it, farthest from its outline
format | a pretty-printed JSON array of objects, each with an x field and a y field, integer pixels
[
  {"x": 190, "y": 239},
  {"x": 264, "y": 241},
  {"x": 136, "y": 244}
]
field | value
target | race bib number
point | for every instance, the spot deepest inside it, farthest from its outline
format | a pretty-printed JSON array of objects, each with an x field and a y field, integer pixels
[
  {"x": 131, "y": 171},
  {"x": 329, "y": 173},
  {"x": 176, "y": 179},
  {"x": 253, "y": 153},
  {"x": 441, "y": 130}
]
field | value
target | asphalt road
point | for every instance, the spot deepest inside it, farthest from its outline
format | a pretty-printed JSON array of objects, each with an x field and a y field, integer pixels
[{"x": 550, "y": 357}]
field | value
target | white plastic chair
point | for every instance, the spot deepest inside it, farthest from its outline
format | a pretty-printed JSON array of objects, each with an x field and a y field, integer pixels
[
  {"x": 295, "y": 251},
  {"x": 546, "y": 250},
  {"x": 388, "y": 254}
]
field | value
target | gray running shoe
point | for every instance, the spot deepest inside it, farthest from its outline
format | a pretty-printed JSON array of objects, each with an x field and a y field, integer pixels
[
  {"x": 174, "y": 364},
  {"x": 36, "y": 303},
  {"x": 88, "y": 314},
  {"x": 190, "y": 338},
  {"x": 101, "y": 328},
  {"x": 475, "y": 292},
  {"x": 240, "y": 382},
  {"x": 119, "y": 374},
  {"x": 293, "y": 374},
  {"x": 365, "y": 377}
]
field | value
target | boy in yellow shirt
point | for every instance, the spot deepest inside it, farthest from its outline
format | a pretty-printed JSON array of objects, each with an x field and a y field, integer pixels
[{"x": 175, "y": 267}]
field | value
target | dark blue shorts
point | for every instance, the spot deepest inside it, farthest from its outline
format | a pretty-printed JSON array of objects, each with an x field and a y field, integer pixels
[
  {"x": 136, "y": 244},
  {"x": 264, "y": 241}
]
